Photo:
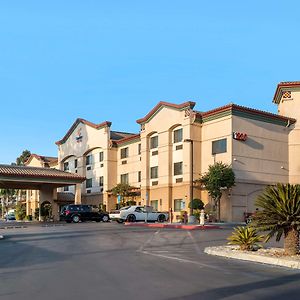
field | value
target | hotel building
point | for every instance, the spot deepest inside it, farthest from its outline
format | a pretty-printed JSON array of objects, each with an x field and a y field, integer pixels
[{"x": 262, "y": 148}]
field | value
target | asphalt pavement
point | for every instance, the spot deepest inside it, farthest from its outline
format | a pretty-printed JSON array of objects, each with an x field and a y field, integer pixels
[{"x": 112, "y": 261}]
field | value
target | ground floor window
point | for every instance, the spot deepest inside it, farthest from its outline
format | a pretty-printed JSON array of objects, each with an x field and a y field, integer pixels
[
  {"x": 179, "y": 204},
  {"x": 154, "y": 204}
]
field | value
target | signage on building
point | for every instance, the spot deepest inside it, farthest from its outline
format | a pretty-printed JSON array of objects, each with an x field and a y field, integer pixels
[
  {"x": 78, "y": 136},
  {"x": 240, "y": 136}
]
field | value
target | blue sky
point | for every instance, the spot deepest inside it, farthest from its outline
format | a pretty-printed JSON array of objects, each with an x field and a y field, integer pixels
[{"x": 115, "y": 60}]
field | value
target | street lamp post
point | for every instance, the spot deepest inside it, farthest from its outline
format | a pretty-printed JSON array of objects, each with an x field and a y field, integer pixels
[{"x": 192, "y": 173}]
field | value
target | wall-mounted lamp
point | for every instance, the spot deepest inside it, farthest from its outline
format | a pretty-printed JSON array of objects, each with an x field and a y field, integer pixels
[
  {"x": 235, "y": 159},
  {"x": 282, "y": 167}
]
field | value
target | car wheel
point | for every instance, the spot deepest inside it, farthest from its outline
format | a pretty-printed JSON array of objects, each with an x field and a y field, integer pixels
[
  {"x": 131, "y": 218},
  {"x": 105, "y": 218},
  {"x": 161, "y": 218},
  {"x": 75, "y": 219}
]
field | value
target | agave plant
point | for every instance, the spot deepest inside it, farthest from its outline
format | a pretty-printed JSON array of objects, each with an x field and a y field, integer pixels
[
  {"x": 280, "y": 215},
  {"x": 245, "y": 237}
]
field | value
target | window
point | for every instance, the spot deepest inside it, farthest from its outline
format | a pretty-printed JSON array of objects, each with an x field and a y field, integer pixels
[
  {"x": 154, "y": 153},
  {"x": 66, "y": 188},
  {"x": 124, "y": 178},
  {"x": 154, "y": 142},
  {"x": 124, "y": 152},
  {"x": 179, "y": 205},
  {"x": 178, "y": 135},
  {"x": 154, "y": 172},
  {"x": 75, "y": 163},
  {"x": 139, "y": 149},
  {"x": 101, "y": 181},
  {"x": 154, "y": 204},
  {"x": 101, "y": 156},
  {"x": 88, "y": 160},
  {"x": 66, "y": 166},
  {"x": 89, "y": 183},
  {"x": 178, "y": 168},
  {"x": 219, "y": 146},
  {"x": 139, "y": 176}
]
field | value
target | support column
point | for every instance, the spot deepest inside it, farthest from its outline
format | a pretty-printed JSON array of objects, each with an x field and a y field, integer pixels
[{"x": 78, "y": 193}]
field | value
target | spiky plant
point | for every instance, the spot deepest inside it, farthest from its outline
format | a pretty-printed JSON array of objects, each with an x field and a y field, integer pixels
[
  {"x": 280, "y": 215},
  {"x": 245, "y": 237}
]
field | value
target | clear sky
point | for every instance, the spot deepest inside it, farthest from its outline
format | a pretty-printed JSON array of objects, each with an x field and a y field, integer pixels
[{"x": 115, "y": 60}]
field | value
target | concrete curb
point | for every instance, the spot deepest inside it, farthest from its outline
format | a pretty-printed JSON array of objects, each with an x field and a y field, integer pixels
[
  {"x": 173, "y": 226},
  {"x": 232, "y": 252}
]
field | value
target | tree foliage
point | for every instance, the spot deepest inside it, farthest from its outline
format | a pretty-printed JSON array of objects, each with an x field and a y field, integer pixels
[
  {"x": 123, "y": 190},
  {"x": 279, "y": 214},
  {"x": 196, "y": 204},
  {"x": 220, "y": 176},
  {"x": 23, "y": 157}
]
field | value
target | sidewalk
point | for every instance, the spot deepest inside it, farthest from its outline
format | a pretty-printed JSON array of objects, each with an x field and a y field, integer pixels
[{"x": 174, "y": 226}]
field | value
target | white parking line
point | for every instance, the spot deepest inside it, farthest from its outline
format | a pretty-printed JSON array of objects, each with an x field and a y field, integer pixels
[{"x": 141, "y": 249}]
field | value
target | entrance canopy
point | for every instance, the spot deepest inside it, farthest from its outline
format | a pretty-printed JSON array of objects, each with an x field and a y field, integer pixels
[{"x": 34, "y": 178}]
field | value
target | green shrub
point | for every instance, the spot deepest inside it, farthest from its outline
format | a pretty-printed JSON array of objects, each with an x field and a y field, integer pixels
[
  {"x": 196, "y": 204},
  {"x": 245, "y": 237},
  {"x": 20, "y": 211}
]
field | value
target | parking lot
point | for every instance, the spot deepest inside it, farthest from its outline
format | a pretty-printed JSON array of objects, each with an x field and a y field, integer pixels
[{"x": 109, "y": 260}]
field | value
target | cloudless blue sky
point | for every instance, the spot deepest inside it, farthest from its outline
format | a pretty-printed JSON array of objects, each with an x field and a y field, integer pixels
[{"x": 115, "y": 60}]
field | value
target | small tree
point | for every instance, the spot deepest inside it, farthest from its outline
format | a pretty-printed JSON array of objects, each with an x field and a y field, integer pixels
[
  {"x": 196, "y": 204},
  {"x": 20, "y": 211},
  {"x": 23, "y": 157},
  {"x": 220, "y": 176},
  {"x": 123, "y": 190}
]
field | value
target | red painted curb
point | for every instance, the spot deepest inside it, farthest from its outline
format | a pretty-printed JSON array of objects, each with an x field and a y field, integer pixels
[{"x": 186, "y": 227}]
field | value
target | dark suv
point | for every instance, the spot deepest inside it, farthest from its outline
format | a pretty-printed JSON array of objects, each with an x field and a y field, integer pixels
[{"x": 75, "y": 213}]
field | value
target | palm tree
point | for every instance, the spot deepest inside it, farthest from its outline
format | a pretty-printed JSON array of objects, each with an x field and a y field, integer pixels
[{"x": 280, "y": 215}]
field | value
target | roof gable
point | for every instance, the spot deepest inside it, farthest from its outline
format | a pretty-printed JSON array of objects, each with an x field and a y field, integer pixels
[
  {"x": 281, "y": 87},
  {"x": 161, "y": 105},
  {"x": 82, "y": 121}
]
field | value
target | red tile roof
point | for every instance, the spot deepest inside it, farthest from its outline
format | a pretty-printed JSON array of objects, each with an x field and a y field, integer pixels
[
  {"x": 127, "y": 139},
  {"x": 35, "y": 172},
  {"x": 235, "y": 107},
  {"x": 286, "y": 84},
  {"x": 161, "y": 104},
  {"x": 83, "y": 121}
]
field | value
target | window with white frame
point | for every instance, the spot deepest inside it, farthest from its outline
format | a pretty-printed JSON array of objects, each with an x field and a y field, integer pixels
[
  {"x": 154, "y": 172},
  {"x": 219, "y": 146},
  {"x": 179, "y": 205},
  {"x": 88, "y": 160},
  {"x": 89, "y": 183},
  {"x": 154, "y": 142},
  {"x": 124, "y": 152},
  {"x": 177, "y": 135},
  {"x": 125, "y": 178},
  {"x": 178, "y": 168},
  {"x": 101, "y": 181},
  {"x": 101, "y": 156}
]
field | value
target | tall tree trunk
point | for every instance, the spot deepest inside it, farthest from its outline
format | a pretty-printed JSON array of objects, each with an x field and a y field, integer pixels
[{"x": 291, "y": 242}]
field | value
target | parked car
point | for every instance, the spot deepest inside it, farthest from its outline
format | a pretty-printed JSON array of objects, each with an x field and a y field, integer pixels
[
  {"x": 10, "y": 216},
  {"x": 138, "y": 213},
  {"x": 75, "y": 213}
]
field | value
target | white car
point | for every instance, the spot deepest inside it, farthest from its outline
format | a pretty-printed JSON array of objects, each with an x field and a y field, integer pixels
[{"x": 138, "y": 213}]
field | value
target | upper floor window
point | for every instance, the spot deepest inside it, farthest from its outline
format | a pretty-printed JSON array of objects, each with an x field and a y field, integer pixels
[
  {"x": 154, "y": 142},
  {"x": 75, "y": 163},
  {"x": 219, "y": 146},
  {"x": 153, "y": 172},
  {"x": 89, "y": 183},
  {"x": 178, "y": 168},
  {"x": 124, "y": 152},
  {"x": 125, "y": 178},
  {"x": 101, "y": 156},
  {"x": 178, "y": 135},
  {"x": 66, "y": 166},
  {"x": 139, "y": 176},
  {"x": 101, "y": 181},
  {"x": 139, "y": 149},
  {"x": 88, "y": 160}
]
